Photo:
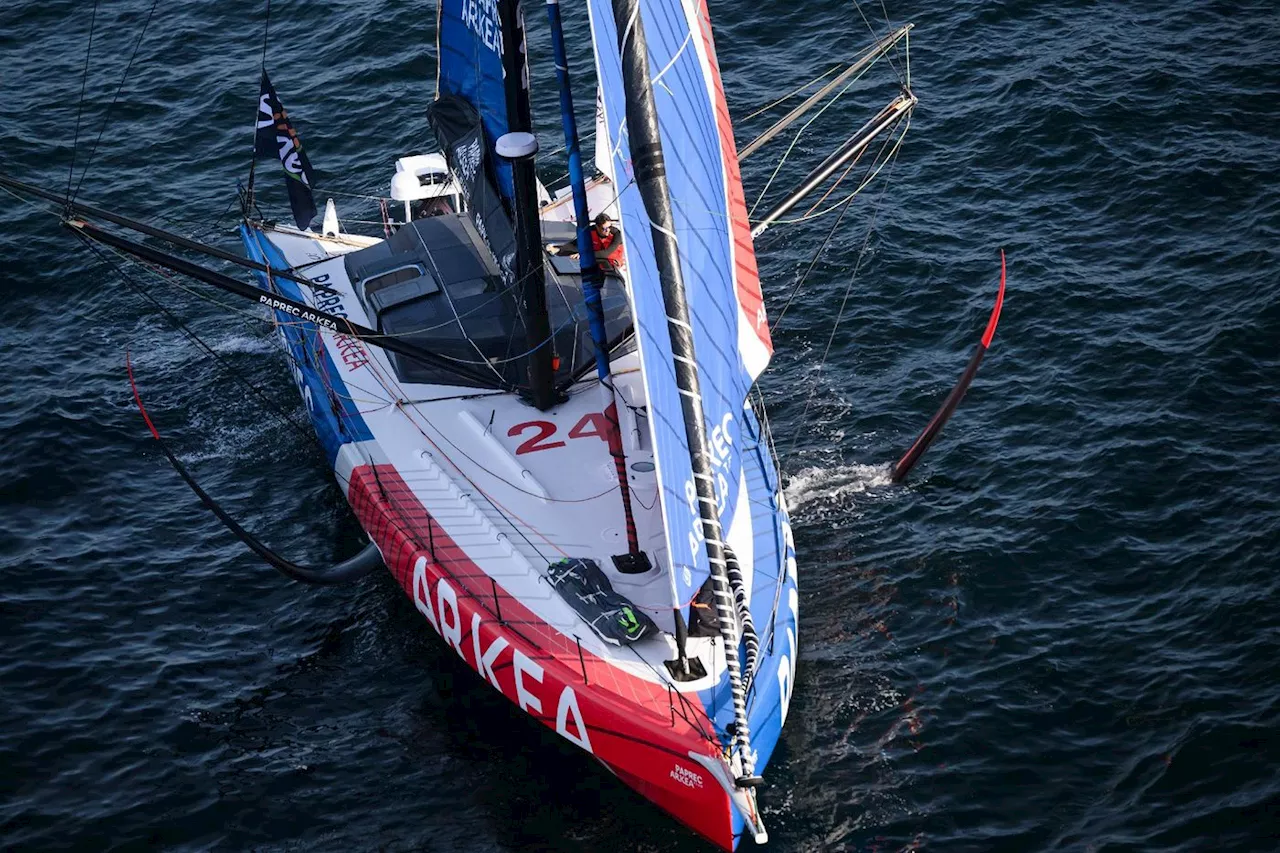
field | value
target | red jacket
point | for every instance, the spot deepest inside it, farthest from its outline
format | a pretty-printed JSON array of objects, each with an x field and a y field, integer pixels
[
  {"x": 599, "y": 243},
  {"x": 607, "y": 248}
]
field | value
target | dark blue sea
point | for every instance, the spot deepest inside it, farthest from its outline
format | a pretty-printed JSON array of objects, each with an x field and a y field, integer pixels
[{"x": 1061, "y": 635}]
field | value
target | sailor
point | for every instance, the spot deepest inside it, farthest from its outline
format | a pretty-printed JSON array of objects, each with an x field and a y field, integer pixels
[{"x": 606, "y": 241}]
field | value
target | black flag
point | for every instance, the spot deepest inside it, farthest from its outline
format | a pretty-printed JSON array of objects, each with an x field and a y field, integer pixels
[{"x": 277, "y": 138}]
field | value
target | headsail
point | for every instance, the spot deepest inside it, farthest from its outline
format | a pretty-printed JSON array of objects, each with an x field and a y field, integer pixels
[{"x": 730, "y": 330}]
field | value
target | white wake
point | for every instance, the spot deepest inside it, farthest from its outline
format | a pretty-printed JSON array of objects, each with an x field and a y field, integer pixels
[{"x": 827, "y": 484}]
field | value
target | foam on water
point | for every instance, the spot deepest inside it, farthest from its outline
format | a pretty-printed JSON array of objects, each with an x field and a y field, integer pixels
[{"x": 820, "y": 485}]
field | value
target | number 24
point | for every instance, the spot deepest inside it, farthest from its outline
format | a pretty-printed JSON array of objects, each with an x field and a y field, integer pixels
[{"x": 592, "y": 424}]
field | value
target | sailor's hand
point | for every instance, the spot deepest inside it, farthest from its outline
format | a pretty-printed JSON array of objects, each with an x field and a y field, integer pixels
[
  {"x": 574, "y": 256},
  {"x": 553, "y": 249}
]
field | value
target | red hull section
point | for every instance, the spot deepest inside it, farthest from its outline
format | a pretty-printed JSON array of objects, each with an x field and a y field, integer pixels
[{"x": 644, "y": 732}]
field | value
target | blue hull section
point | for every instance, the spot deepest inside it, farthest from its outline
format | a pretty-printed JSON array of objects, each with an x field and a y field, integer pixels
[{"x": 333, "y": 413}]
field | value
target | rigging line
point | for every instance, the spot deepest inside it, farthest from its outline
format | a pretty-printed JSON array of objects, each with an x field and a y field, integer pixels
[
  {"x": 353, "y": 330},
  {"x": 838, "y": 181},
  {"x": 675, "y": 57},
  {"x": 422, "y": 330},
  {"x": 872, "y": 30},
  {"x": 349, "y": 221},
  {"x": 265, "y": 401},
  {"x": 862, "y": 253},
  {"x": 253, "y": 150},
  {"x": 32, "y": 203},
  {"x": 454, "y": 308},
  {"x": 582, "y": 137},
  {"x": 872, "y": 171},
  {"x": 392, "y": 387},
  {"x": 550, "y": 339},
  {"x": 172, "y": 280},
  {"x": 106, "y": 118},
  {"x": 824, "y": 75},
  {"x": 266, "y": 30},
  {"x": 871, "y": 177},
  {"x": 84, "y": 81},
  {"x": 777, "y": 323},
  {"x": 374, "y": 397},
  {"x": 503, "y": 513},
  {"x": 470, "y": 396},
  {"x": 327, "y": 191},
  {"x": 650, "y": 507},
  {"x": 493, "y": 474},
  {"x": 804, "y": 127},
  {"x": 885, "y": 12}
]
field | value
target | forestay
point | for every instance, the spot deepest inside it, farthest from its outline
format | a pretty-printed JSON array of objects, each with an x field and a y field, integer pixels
[{"x": 730, "y": 330}]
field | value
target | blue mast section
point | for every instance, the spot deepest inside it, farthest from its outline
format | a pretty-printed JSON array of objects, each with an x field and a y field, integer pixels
[{"x": 592, "y": 277}]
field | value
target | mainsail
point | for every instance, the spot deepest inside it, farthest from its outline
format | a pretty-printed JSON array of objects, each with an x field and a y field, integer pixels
[
  {"x": 471, "y": 66},
  {"x": 722, "y": 285}
]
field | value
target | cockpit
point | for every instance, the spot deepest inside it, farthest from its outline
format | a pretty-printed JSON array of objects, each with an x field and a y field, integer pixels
[{"x": 434, "y": 283}]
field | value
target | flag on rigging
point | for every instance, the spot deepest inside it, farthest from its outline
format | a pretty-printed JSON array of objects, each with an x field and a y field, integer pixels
[{"x": 276, "y": 138}]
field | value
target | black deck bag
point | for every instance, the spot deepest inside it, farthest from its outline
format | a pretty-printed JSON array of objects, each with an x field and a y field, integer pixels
[{"x": 583, "y": 584}]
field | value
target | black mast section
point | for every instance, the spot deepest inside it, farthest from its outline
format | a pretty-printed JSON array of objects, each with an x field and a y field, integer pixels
[
  {"x": 650, "y": 169},
  {"x": 530, "y": 271}
]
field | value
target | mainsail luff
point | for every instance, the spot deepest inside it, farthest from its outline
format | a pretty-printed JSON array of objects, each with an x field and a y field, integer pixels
[{"x": 645, "y": 144}]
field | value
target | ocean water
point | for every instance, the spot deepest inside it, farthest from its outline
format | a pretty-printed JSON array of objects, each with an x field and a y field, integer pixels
[{"x": 1060, "y": 635}]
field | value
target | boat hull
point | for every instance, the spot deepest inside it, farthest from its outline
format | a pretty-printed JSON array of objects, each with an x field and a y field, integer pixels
[
  {"x": 648, "y": 742},
  {"x": 667, "y": 744}
]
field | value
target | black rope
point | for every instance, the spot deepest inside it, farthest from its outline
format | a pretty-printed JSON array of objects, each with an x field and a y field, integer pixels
[
  {"x": 106, "y": 118},
  {"x": 265, "y": 399},
  {"x": 84, "y": 81}
]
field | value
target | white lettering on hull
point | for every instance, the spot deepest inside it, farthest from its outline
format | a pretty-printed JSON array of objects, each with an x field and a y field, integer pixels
[
  {"x": 422, "y": 592},
  {"x": 450, "y": 626},
  {"x": 445, "y": 613},
  {"x": 569, "y": 707},
  {"x": 787, "y": 663},
  {"x": 486, "y": 660},
  {"x": 522, "y": 666}
]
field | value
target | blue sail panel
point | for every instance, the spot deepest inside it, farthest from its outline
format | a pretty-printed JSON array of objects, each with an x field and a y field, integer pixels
[
  {"x": 730, "y": 330},
  {"x": 469, "y": 65}
]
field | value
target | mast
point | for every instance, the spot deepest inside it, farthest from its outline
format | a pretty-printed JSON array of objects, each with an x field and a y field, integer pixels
[
  {"x": 520, "y": 150},
  {"x": 645, "y": 142},
  {"x": 592, "y": 277}
]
